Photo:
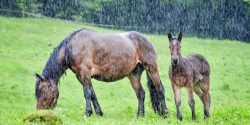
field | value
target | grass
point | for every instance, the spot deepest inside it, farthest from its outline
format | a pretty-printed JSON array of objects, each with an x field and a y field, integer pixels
[
  {"x": 25, "y": 45},
  {"x": 43, "y": 116}
]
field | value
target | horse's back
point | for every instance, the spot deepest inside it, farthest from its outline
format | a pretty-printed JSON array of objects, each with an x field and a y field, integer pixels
[{"x": 108, "y": 57}]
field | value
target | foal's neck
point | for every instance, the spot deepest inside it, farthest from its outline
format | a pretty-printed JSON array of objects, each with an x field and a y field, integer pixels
[{"x": 179, "y": 67}]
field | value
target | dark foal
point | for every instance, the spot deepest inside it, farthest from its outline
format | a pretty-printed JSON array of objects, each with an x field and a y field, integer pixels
[
  {"x": 105, "y": 57},
  {"x": 193, "y": 73}
]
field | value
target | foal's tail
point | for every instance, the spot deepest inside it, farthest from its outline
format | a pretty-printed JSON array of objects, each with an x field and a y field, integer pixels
[{"x": 153, "y": 95}]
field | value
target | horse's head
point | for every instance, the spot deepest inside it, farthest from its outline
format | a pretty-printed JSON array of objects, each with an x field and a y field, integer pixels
[
  {"x": 46, "y": 93},
  {"x": 175, "y": 48}
]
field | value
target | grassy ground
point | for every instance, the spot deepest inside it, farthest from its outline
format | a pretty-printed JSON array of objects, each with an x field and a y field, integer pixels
[{"x": 25, "y": 45}]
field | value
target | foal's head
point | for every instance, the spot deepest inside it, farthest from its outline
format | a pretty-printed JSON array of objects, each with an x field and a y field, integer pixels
[
  {"x": 175, "y": 48},
  {"x": 46, "y": 93}
]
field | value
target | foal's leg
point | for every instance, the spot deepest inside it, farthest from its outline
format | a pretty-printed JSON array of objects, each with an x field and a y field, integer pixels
[
  {"x": 191, "y": 101},
  {"x": 152, "y": 71},
  {"x": 202, "y": 90},
  {"x": 140, "y": 93},
  {"x": 177, "y": 96},
  {"x": 207, "y": 100}
]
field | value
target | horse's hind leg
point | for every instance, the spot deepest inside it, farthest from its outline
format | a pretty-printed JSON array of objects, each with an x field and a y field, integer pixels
[
  {"x": 202, "y": 90},
  {"x": 135, "y": 78},
  {"x": 152, "y": 71}
]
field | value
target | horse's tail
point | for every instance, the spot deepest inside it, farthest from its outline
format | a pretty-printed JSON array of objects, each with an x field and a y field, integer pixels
[{"x": 153, "y": 95}]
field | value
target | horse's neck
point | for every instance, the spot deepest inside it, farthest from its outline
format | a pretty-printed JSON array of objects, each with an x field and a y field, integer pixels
[{"x": 54, "y": 71}]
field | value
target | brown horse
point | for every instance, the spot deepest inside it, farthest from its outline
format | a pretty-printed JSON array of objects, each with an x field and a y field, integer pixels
[
  {"x": 105, "y": 57},
  {"x": 193, "y": 73}
]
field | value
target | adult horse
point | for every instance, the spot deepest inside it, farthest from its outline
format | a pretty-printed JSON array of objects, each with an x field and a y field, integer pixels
[{"x": 105, "y": 57}]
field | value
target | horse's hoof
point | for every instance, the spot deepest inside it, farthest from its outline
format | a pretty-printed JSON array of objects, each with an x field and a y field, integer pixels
[
  {"x": 193, "y": 118},
  {"x": 165, "y": 114},
  {"x": 140, "y": 114},
  {"x": 99, "y": 113},
  {"x": 179, "y": 118},
  {"x": 87, "y": 114}
]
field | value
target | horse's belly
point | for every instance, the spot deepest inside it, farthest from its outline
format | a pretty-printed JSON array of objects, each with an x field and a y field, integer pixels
[
  {"x": 114, "y": 70},
  {"x": 112, "y": 73},
  {"x": 101, "y": 77}
]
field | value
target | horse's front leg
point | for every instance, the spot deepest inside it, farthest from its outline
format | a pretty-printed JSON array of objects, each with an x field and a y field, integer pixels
[
  {"x": 87, "y": 95},
  {"x": 97, "y": 107}
]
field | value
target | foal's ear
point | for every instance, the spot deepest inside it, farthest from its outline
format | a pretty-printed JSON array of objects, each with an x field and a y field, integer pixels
[
  {"x": 180, "y": 37},
  {"x": 39, "y": 77},
  {"x": 170, "y": 37}
]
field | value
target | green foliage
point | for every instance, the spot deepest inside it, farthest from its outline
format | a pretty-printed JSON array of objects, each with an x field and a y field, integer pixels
[
  {"x": 220, "y": 19},
  {"x": 25, "y": 45}
]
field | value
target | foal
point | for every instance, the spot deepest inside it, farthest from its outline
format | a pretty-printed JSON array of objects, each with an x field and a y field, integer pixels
[{"x": 193, "y": 73}]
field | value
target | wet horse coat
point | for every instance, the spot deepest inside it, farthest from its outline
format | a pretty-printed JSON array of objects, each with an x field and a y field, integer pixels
[
  {"x": 105, "y": 57},
  {"x": 192, "y": 72}
]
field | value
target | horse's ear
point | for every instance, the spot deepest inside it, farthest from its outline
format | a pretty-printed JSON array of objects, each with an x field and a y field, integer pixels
[
  {"x": 170, "y": 37},
  {"x": 39, "y": 77},
  {"x": 180, "y": 37}
]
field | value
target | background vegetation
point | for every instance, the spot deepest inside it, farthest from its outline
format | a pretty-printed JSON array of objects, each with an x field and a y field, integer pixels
[
  {"x": 221, "y": 19},
  {"x": 26, "y": 43}
]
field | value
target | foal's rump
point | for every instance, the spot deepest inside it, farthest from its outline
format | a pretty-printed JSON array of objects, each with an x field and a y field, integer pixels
[{"x": 200, "y": 64}]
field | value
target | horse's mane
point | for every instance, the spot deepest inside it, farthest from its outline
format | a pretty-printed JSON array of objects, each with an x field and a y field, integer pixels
[{"x": 54, "y": 68}]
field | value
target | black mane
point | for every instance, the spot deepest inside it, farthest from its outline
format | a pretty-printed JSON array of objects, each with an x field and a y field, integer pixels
[{"x": 54, "y": 69}]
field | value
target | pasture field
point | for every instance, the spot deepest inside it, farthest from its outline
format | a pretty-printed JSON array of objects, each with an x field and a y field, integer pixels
[{"x": 26, "y": 44}]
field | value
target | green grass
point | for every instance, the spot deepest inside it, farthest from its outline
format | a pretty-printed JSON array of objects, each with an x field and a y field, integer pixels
[{"x": 25, "y": 45}]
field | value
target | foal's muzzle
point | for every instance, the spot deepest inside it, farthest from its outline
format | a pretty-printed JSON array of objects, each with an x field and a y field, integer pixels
[{"x": 174, "y": 61}]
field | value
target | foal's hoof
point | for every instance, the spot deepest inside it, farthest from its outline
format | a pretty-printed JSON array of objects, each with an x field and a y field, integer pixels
[{"x": 206, "y": 117}]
